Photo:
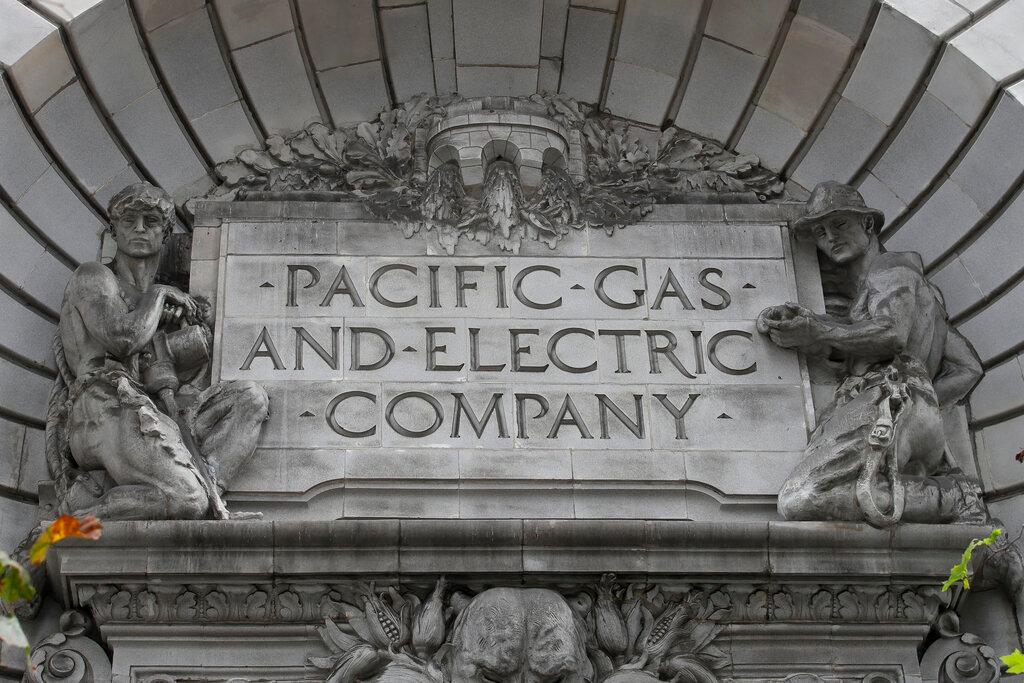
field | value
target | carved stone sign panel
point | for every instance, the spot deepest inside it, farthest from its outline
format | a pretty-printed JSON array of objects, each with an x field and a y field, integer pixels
[{"x": 492, "y": 385}]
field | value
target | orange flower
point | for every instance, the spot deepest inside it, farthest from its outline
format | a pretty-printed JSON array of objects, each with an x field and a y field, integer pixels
[{"x": 65, "y": 526}]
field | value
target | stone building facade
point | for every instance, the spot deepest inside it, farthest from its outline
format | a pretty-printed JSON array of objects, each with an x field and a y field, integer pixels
[{"x": 383, "y": 206}]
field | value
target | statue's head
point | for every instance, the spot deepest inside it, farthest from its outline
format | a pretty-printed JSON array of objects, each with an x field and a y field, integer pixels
[
  {"x": 141, "y": 218},
  {"x": 842, "y": 225}
]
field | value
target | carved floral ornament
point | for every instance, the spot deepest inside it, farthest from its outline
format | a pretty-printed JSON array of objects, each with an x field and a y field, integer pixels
[
  {"x": 498, "y": 168},
  {"x": 608, "y": 631}
]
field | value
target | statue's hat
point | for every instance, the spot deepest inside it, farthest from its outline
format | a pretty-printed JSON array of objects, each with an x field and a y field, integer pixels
[{"x": 831, "y": 197}]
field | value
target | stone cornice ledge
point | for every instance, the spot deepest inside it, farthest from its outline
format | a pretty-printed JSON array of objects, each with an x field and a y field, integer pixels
[{"x": 205, "y": 551}]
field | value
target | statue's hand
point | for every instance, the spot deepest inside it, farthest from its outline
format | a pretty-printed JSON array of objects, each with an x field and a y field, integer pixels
[
  {"x": 178, "y": 305},
  {"x": 790, "y": 326}
]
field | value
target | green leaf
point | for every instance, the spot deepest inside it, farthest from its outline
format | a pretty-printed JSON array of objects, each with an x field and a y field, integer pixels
[
  {"x": 10, "y": 631},
  {"x": 15, "y": 583},
  {"x": 1015, "y": 662},
  {"x": 960, "y": 571}
]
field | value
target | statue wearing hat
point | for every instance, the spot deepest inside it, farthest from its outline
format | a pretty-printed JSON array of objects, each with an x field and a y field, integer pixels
[
  {"x": 878, "y": 453},
  {"x": 133, "y": 432}
]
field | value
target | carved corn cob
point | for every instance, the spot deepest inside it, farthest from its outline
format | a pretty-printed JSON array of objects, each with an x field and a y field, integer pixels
[
  {"x": 388, "y": 628},
  {"x": 609, "y": 624},
  {"x": 665, "y": 631},
  {"x": 428, "y": 625}
]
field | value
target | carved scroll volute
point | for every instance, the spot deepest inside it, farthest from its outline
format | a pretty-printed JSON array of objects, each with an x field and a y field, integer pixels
[
  {"x": 958, "y": 657},
  {"x": 69, "y": 656}
]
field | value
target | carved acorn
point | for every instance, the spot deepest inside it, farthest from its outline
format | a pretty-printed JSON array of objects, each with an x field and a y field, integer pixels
[
  {"x": 428, "y": 624},
  {"x": 609, "y": 624},
  {"x": 388, "y": 629}
]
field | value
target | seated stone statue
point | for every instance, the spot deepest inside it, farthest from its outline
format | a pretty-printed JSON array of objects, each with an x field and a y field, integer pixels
[
  {"x": 878, "y": 453},
  {"x": 122, "y": 342}
]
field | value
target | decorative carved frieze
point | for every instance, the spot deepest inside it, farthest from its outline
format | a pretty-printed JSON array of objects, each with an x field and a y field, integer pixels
[{"x": 499, "y": 169}]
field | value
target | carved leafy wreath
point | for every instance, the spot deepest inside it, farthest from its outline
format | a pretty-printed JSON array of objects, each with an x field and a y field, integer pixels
[{"x": 374, "y": 162}]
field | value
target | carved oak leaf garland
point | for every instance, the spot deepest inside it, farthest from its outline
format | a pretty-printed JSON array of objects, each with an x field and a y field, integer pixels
[
  {"x": 375, "y": 162},
  {"x": 631, "y": 634}
]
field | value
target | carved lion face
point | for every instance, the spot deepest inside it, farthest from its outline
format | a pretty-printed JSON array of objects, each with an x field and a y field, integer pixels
[{"x": 518, "y": 635}]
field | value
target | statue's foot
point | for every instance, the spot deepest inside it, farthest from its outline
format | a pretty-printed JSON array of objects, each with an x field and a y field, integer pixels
[
  {"x": 245, "y": 515},
  {"x": 970, "y": 509}
]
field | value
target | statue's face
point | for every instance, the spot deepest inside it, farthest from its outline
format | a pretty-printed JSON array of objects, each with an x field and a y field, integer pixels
[
  {"x": 139, "y": 233},
  {"x": 842, "y": 237}
]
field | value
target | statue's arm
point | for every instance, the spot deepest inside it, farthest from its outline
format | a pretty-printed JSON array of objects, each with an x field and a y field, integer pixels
[
  {"x": 883, "y": 333},
  {"x": 98, "y": 302},
  {"x": 960, "y": 371}
]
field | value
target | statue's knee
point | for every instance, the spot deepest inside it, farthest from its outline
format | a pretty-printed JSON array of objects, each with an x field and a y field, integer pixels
[
  {"x": 254, "y": 398},
  {"x": 795, "y": 501},
  {"x": 187, "y": 502}
]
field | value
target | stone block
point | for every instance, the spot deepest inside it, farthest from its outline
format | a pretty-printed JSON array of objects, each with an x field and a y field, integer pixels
[
  {"x": 407, "y": 41},
  {"x": 939, "y": 18},
  {"x": 847, "y": 18},
  {"x": 992, "y": 164},
  {"x": 21, "y": 159},
  {"x": 772, "y": 138},
  {"x": 959, "y": 288},
  {"x": 117, "y": 183},
  {"x": 842, "y": 146},
  {"x": 481, "y": 81},
  {"x": 200, "y": 548},
  {"x": 998, "y": 327},
  {"x": 41, "y": 71},
  {"x": 945, "y": 218},
  {"x": 682, "y": 240},
  {"x": 155, "y": 13},
  {"x": 549, "y": 74},
  {"x": 191, "y": 63},
  {"x": 12, "y": 442},
  {"x": 657, "y": 34},
  {"x": 1010, "y": 512},
  {"x": 719, "y": 88},
  {"x": 225, "y": 132},
  {"x": 497, "y": 32},
  {"x": 33, "y": 461},
  {"x": 276, "y": 81},
  {"x": 552, "y": 37},
  {"x": 355, "y": 93},
  {"x": 997, "y": 446},
  {"x": 879, "y": 196},
  {"x": 355, "y": 545},
  {"x": 23, "y": 391},
  {"x": 750, "y": 26},
  {"x": 640, "y": 93},
  {"x": 457, "y": 546},
  {"x": 992, "y": 42},
  {"x": 442, "y": 30},
  {"x": 923, "y": 146},
  {"x": 25, "y": 331},
  {"x": 629, "y": 466},
  {"x": 17, "y": 518},
  {"x": 57, "y": 212},
  {"x": 1000, "y": 390},
  {"x": 246, "y": 22},
  {"x": 987, "y": 258},
  {"x": 402, "y": 464},
  {"x": 76, "y": 133},
  {"x": 149, "y": 127},
  {"x": 852, "y": 549},
  {"x": 551, "y": 546},
  {"x": 117, "y": 70},
  {"x": 962, "y": 85},
  {"x": 502, "y": 501},
  {"x": 599, "y": 500},
  {"x": 674, "y": 546},
  {"x": 894, "y": 58},
  {"x": 805, "y": 73},
  {"x": 26, "y": 264},
  {"x": 757, "y": 473},
  {"x": 339, "y": 32},
  {"x": 290, "y": 427},
  {"x": 521, "y": 464},
  {"x": 291, "y": 237},
  {"x": 588, "y": 35},
  {"x": 439, "y": 501}
]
